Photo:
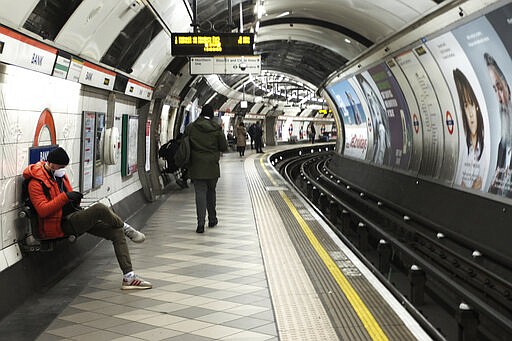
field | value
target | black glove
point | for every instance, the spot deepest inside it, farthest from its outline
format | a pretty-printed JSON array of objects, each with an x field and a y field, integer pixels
[{"x": 75, "y": 196}]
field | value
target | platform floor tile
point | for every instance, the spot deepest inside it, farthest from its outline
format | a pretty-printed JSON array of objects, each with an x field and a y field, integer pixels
[{"x": 209, "y": 286}]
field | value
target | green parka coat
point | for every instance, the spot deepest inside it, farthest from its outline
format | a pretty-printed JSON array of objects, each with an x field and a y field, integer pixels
[{"x": 207, "y": 141}]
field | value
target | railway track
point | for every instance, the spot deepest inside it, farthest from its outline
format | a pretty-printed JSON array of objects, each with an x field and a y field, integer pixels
[{"x": 454, "y": 290}]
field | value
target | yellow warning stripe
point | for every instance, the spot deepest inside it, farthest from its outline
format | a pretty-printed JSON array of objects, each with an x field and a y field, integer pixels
[{"x": 366, "y": 317}]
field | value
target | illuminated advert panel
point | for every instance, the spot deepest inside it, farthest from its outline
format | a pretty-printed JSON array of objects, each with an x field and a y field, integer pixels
[
  {"x": 212, "y": 44},
  {"x": 480, "y": 67},
  {"x": 429, "y": 120},
  {"x": 413, "y": 109},
  {"x": 394, "y": 115},
  {"x": 354, "y": 119}
]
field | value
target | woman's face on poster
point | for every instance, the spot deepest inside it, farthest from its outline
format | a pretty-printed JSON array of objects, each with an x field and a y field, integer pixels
[{"x": 470, "y": 111}]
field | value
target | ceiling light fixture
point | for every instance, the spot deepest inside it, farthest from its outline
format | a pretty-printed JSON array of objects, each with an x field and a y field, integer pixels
[{"x": 283, "y": 14}]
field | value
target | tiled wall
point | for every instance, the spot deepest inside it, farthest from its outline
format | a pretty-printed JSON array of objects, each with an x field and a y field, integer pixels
[{"x": 23, "y": 96}]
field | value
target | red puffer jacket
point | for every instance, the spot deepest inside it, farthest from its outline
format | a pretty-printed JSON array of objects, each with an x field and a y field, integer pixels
[{"x": 49, "y": 210}]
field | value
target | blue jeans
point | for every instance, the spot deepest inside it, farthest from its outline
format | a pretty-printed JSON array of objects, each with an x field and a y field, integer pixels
[{"x": 206, "y": 199}]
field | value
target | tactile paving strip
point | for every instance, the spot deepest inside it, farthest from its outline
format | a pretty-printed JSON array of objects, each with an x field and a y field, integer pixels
[
  {"x": 346, "y": 321},
  {"x": 299, "y": 312}
]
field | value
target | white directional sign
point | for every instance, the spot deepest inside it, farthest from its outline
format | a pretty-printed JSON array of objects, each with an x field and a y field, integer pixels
[
  {"x": 225, "y": 65},
  {"x": 243, "y": 65},
  {"x": 201, "y": 65}
]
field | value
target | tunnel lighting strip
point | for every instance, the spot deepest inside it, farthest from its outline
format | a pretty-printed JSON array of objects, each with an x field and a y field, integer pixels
[{"x": 362, "y": 311}]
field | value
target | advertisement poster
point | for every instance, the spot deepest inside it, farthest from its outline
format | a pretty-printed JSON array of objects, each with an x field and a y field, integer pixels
[
  {"x": 479, "y": 141},
  {"x": 397, "y": 114},
  {"x": 98, "y": 147},
  {"x": 340, "y": 140},
  {"x": 470, "y": 111},
  {"x": 430, "y": 115},
  {"x": 464, "y": 84},
  {"x": 449, "y": 118},
  {"x": 499, "y": 78},
  {"x": 380, "y": 126},
  {"x": 354, "y": 119},
  {"x": 414, "y": 112},
  {"x": 147, "y": 165},
  {"x": 87, "y": 165},
  {"x": 133, "y": 126},
  {"x": 501, "y": 20}
]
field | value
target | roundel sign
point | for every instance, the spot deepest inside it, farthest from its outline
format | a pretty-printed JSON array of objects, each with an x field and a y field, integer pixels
[
  {"x": 449, "y": 122},
  {"x": 45, "y": 133},
  {"x": 290, "y": 129},
  {"x": 416, "y": 123}
]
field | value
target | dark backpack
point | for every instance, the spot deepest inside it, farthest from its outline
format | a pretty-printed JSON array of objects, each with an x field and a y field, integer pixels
[
  {"x": 28, "y": 210},
  {"x": 162, "y": 152},
  {"x": 167, "y": 152},
  {"x": 182, "y": 156}
]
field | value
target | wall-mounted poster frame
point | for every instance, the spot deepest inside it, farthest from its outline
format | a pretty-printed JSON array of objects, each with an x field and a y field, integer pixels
[
  {"x": 87, "y": 151},
  {"x": 354, "y": 118},
  {"x": 147, "y": 165},
  {"x": 99, "y": 132},
  {"x": 129, "y": 144}
]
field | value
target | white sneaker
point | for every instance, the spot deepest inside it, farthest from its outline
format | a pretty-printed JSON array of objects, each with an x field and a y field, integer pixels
[
  {"x": 135, "y": 282},
  {"x": 133, "y": 234}
]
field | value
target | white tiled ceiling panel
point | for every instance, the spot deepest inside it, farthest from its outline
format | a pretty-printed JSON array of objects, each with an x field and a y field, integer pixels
[
  {"x": 372, "y": 19},
  {"x": 94, "y": 26},
  {"x": 153, "y": 60},
  {"x": 15, "y": 12}
]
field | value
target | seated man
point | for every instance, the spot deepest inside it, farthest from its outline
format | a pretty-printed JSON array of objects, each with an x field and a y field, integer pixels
[{"x": 60, "y": 215}]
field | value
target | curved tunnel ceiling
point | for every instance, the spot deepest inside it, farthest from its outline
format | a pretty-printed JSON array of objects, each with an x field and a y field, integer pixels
[
  {"x": 311, "y": 40},
  {"x": 307, "y": 61},
  {"x": 307, "y": 39}
]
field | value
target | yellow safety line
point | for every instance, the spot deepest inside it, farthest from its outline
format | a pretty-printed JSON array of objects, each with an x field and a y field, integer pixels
[{"x": 366, "y": 317}]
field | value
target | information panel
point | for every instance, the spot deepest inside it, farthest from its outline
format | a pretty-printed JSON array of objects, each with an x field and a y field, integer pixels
[
  {"x": 225, "y": 65},
  {"x": 211, "y": 44},
  {"x": 99, "y": 133},
  {"x": 87, "y": 165},
  {"x": 450, "y": 120}
]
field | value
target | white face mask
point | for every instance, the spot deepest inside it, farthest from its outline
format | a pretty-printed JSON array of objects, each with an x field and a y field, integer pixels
[{"x": 59, "y": 173}]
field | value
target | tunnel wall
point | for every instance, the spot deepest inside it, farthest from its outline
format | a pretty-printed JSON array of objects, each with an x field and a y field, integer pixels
[
  {"x": 481, "y": 220},
  {"x": 28, "y": 98},
  {"x": 427, "y": 124}
]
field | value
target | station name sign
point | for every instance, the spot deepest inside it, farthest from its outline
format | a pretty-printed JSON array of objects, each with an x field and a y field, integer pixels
[{"x": 212, "y": 44}]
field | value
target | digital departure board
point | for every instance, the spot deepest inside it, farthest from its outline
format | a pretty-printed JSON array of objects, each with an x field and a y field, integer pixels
[{"x": 212, "y": 44}]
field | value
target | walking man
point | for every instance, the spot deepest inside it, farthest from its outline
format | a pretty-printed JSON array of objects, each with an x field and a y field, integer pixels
[{"x": 207, "y": 141}]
